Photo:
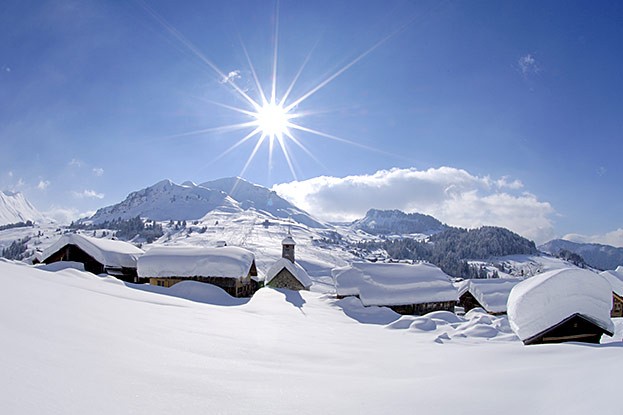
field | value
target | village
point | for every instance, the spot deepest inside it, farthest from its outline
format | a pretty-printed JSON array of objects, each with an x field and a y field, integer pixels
[{"x": 563, "y": 305}]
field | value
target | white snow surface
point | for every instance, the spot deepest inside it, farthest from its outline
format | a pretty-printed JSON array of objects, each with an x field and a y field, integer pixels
[
  {"x": 193, "y": 261},
  {"x": 492, "y": 294},
  {"x": 108, "y": 252},
  {"x": 615, "y": 278},
  {"x": 394, "y": 283},
  {"x": 545, "y": 300},
  {"x": 166, "y": 200},
  {"x": 15, "y": 208},
  {"x": 131, "y": 351},
  {"x": 295, "y": 269}
]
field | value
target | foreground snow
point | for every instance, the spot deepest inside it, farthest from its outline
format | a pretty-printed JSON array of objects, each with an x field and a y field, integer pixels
[{"x": 75, "y": 343}]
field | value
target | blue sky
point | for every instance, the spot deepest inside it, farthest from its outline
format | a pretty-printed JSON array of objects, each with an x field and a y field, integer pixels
[{"x": 521, "y": 102}]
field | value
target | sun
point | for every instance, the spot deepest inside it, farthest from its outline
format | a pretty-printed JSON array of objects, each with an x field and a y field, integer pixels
[{"x": 273, "y": 120}]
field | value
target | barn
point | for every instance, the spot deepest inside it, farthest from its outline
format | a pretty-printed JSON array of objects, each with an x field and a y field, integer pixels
[
  {"x": 570, "y": 304},
  {"x": 615, "y": 278},
  {"x": 489, "y": 294},
  {"x": 407, "y": 289},
  {"x": 229, "y": 267},
  {"x": 99, "y": 256},
  {"x": 285, "y": 272}
]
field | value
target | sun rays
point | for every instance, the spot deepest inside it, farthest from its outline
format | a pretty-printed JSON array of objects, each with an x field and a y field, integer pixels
[{"x": 268, "y": 117}]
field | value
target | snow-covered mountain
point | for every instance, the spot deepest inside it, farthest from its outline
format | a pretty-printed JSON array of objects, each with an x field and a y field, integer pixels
[
  {"x": 250, "y": 195},
  {"x": 168, "y": 201},
  {"x": 188, "y": 201},
  {"x": 15, "y": 208},
  {"x": 596, "y": 255},
  {"x": 396, "y": 222}
]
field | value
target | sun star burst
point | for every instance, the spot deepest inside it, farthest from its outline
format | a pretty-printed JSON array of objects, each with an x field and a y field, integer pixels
[{"x": 272, "y": 120}]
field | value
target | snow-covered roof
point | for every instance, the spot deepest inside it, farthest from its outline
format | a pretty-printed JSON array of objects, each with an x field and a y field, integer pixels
[
  {"x": 492, "y": 294},
  {"x": 542, "y": 301},
  {"x": 108, "y": 252},
  {"x": 615, "y": 278},
  {"x": 192, "y": 261},
  {"x": 288, "y": 240},
  {"x": 394, "y": 284},
  {"x": 295, "y": 269}
]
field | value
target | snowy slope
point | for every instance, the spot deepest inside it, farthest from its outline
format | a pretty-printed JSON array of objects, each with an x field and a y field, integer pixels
[
  {"x": 596, "y": 255},
  {"x": 395, "y": 222},
  {"x": 250, "y": 195},
  {"x": 165, "y": 201},
  {"x": 15, "y": 208},
  {"x": 130, "y": 351}
]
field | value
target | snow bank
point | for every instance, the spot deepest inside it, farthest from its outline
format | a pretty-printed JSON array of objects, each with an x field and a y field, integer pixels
[
  {"x": 61, "y": 265},
  {"x": 545, "y": 300},
  {"x": 195, "y": 291},
  {"x": 108, "y": 252},
  {"x": 192, "y": 261},
  {"x": 615, "y": 278},
  {"x": 394, "y": 284},
  {"x": 492, "y": 294},
  {"x": 295, "y": 269}
]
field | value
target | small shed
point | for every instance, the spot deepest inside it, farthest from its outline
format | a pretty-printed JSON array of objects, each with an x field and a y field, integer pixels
[
  {"x": 615, "y": 278},
  {"x": 230, "y": 268},
  {"x": 407, "y": 289},
  {"x": 489, "y": 294},
  {"x": 570, "y": 304},
  {"x": 99, "y": 256}
]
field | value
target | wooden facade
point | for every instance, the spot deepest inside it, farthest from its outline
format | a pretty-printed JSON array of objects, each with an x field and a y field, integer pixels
[
  {"x": 285, "y": 279},
  {"x": 415, "y": 309},
  {"x": 576, "y": 328},
  {"x": 236, "y": 287},
  {"x": 71, "y": 252},
  {"x": 423, "y": 308},
  {"x": 468, "y": 301},
  {"x": 617, "y": 305}
]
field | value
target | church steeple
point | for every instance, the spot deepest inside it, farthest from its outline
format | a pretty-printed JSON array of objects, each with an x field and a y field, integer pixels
[{"x": 287, "y": 247}]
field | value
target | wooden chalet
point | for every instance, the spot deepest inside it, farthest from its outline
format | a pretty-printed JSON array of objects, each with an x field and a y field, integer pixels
[
  {"x": 488, "y": 294},
  {"x": 230, "y": 268},
  {"x": 575, "y": 328},
  {"x": 285, "y": 272},
  {"x": 407, "y": 289},
  {"x": 99, "y": 256},
  {"x": 562, "y": 305},
  {"x": 615, "y": 278}
]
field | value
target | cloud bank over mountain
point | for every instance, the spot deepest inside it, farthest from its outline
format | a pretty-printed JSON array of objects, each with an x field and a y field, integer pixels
[
  {"x": 452, "y": 195},
  {"x": 614, "y": 238}
]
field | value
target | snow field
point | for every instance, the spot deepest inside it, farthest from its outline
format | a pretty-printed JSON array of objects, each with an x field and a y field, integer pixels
[{"x": 73, "y": 342}]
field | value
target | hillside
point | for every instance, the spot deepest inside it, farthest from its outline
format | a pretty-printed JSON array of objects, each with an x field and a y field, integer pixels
[
  {"x": 250, "y": 195},
  {"x": 595, "y": 255},
  {"x": 396, "y": 222},
  {"x": 14, "y": 207},
  {"x": 167, "y": 200}
]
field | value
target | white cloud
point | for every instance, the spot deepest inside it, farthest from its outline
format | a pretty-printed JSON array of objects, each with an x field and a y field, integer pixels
[
  {"x": 88, "y": 194},
  {"x": 66, "y": 215},
  {"x": 528, "y": 65},
  {"x": 231, "y": 76},
  {"x": 10, "y": 173},
  {"x": 614, "y": 238},
  {"x": 43, "y": 184},
  {"x": 76, "y": 163},
  {"x": 452, "y": 195},
  {"x": 98, "y": 171}
]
